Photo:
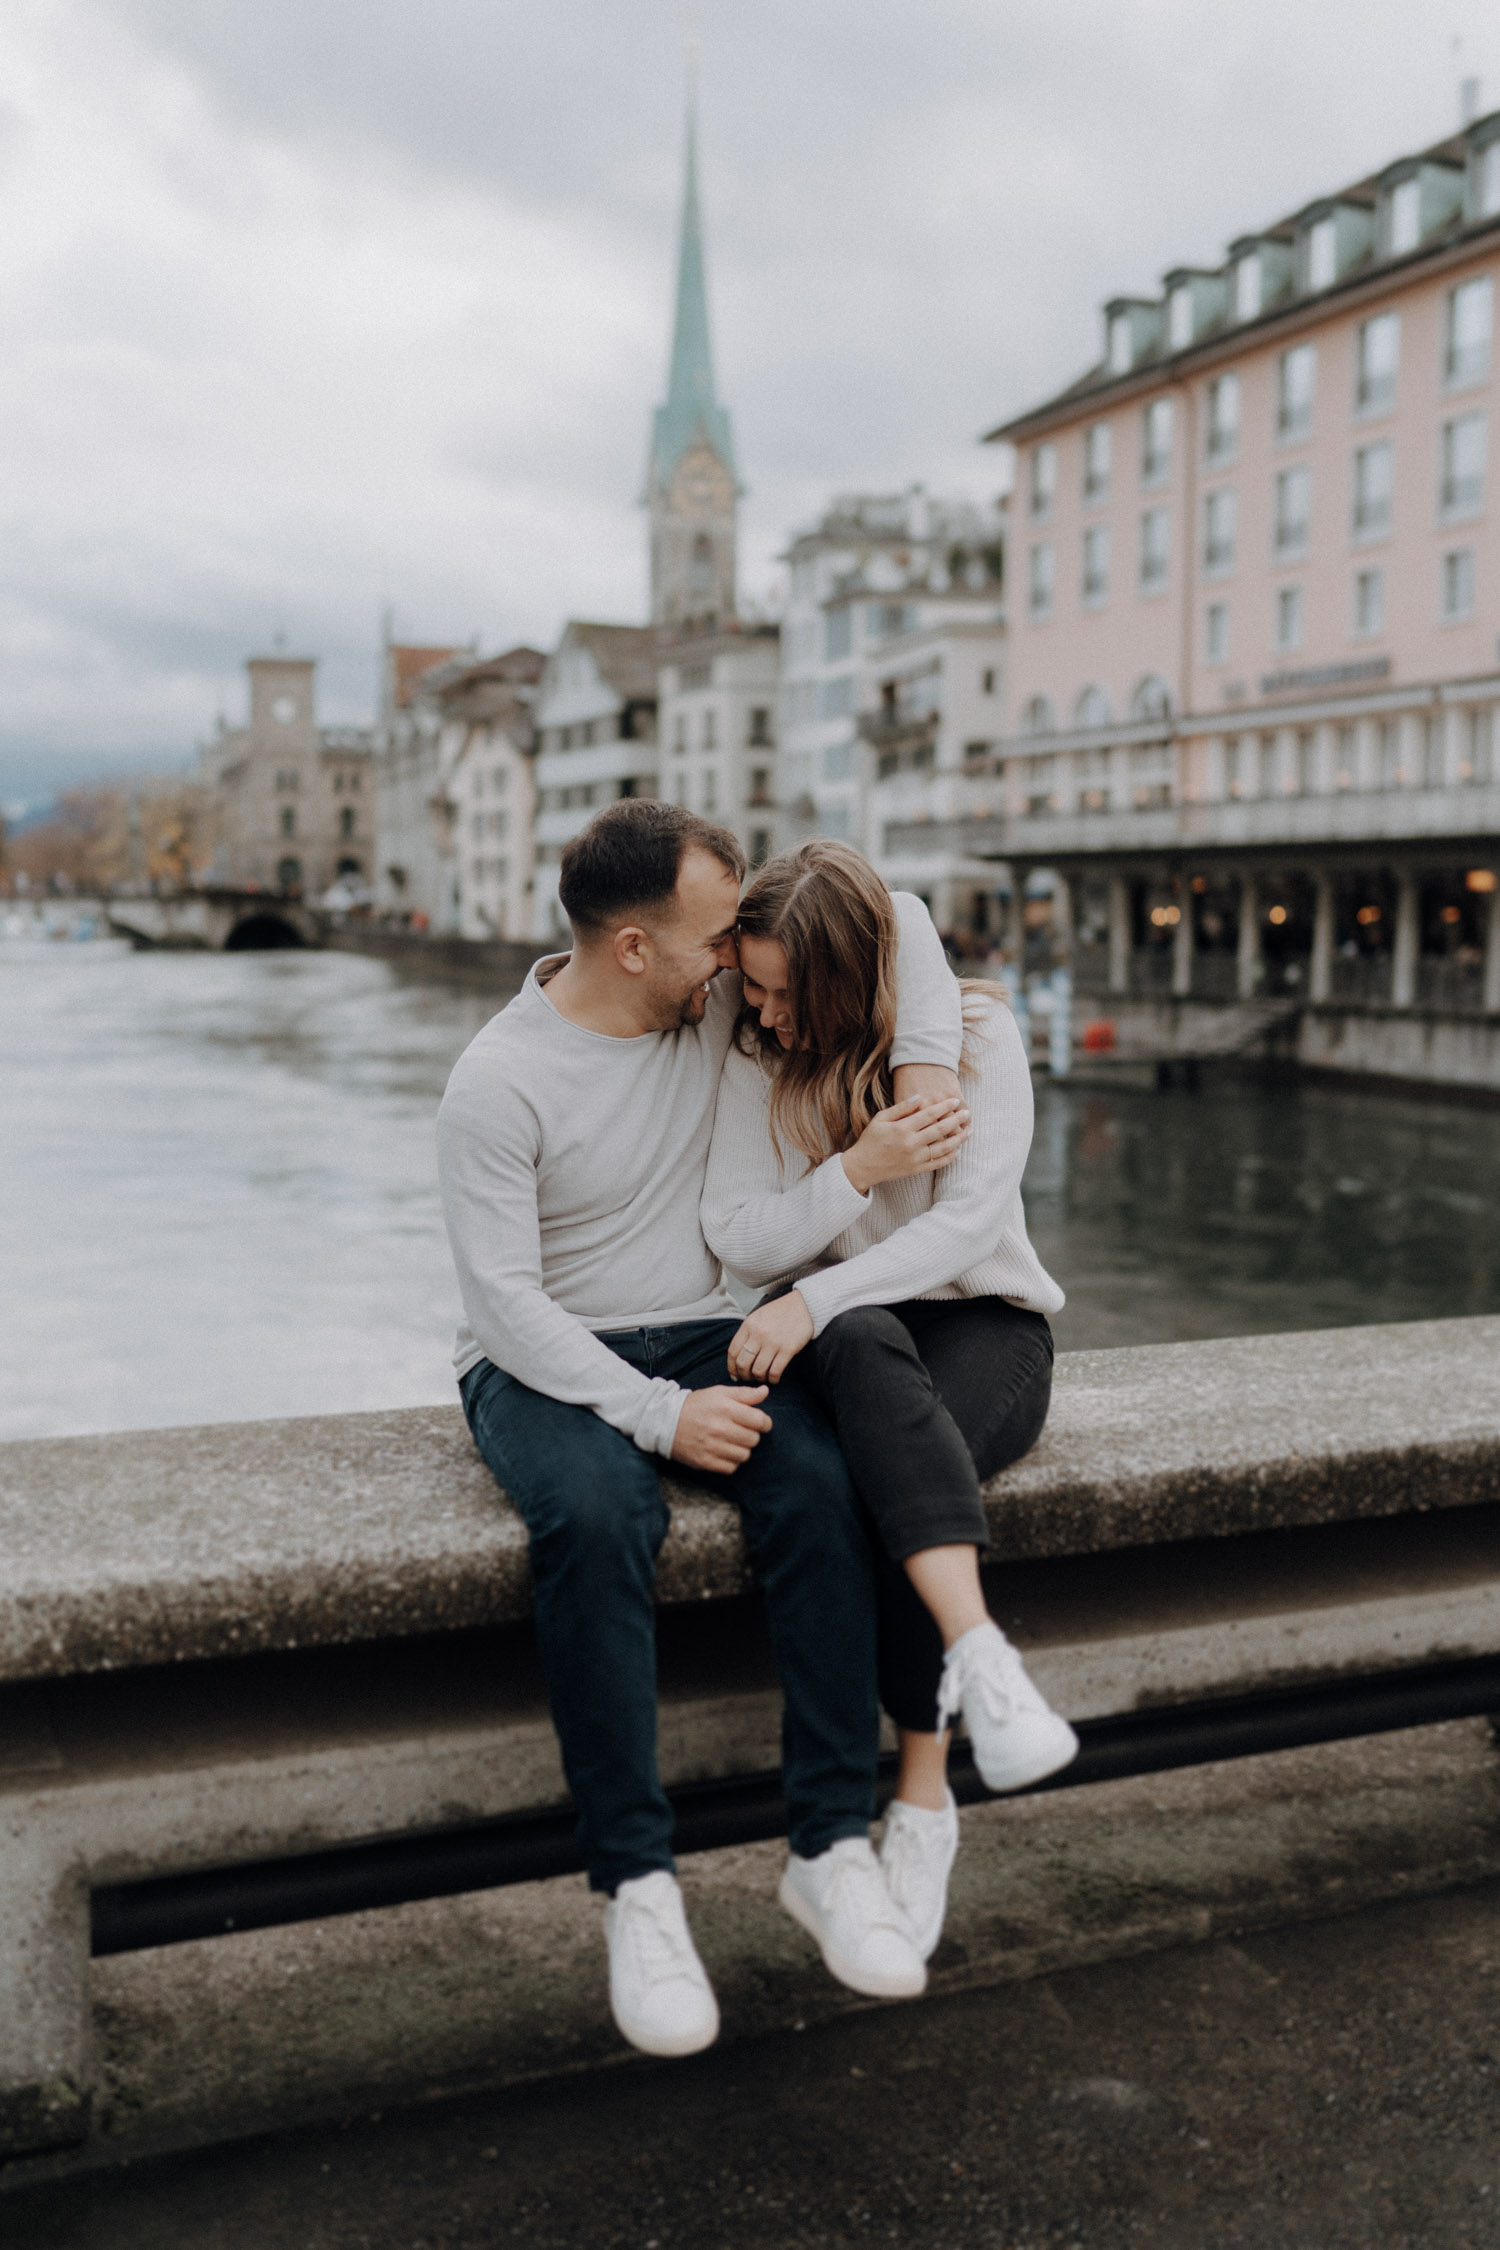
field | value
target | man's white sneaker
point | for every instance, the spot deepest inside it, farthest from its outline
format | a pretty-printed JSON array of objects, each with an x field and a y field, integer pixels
[
  {"x": 1014, "y": 1733},
  {"x": 841, "y": 1900},
  {"x": 916, "y": 1858},
  {"x": 659, "y": 1992}
]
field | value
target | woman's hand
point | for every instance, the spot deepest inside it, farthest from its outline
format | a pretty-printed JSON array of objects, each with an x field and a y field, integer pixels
[
  {"x": 921, "y": 1135},
  {"x": 766, "y": 1343}
]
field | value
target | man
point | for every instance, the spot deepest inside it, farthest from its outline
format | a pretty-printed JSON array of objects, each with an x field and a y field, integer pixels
[{"x": 573, "y": 1141}]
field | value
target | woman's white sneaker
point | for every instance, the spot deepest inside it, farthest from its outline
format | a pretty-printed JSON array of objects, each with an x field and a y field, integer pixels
[
  {"x": 841, "y": 1900},
  {"x": 916, "y": 1858},
  {"x": 659, "y": 1991},
  {"x": 1015, "y": 1735}
]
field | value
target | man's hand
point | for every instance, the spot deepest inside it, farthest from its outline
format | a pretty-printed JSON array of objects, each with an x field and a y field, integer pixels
[
  {"x": 908, "y": 1138},
  {"x": 719, "y": 1428},
  {"x": 765, "y": 1344}
]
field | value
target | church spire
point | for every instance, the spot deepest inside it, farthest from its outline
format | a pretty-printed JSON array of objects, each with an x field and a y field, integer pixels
[{"x": 691, "y": 482}]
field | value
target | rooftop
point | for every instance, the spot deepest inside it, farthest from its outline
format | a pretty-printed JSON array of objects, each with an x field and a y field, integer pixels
[{"x": 1418, "y": 208}]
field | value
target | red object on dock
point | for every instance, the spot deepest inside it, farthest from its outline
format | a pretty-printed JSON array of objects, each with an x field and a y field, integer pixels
[{"x": 1098, "y": 1038}]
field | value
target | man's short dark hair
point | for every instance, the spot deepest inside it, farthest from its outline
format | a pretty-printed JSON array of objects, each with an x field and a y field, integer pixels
[{"x": 627, "y": 861}]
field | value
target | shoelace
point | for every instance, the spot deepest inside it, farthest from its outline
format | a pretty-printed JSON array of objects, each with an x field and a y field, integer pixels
[
  {"x": 861, "y": 1881},
  {"x": 1003, "y": 1697},
  {"x": 662, "y": 1947},
  {"x": 909, "y": 1847}
]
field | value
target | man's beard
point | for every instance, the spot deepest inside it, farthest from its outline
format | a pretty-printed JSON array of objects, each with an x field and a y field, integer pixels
[{"x": 690, "y": 1014}]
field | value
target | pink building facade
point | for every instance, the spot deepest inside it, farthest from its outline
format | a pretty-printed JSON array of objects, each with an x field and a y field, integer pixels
[{"x": 1254, "y": 611}]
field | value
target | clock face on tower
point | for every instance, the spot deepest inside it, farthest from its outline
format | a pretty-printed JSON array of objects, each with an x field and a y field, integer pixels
[{"x": 284, "y": 709}]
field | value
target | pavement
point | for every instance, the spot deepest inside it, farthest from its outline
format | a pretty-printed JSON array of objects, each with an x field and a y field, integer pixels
[{"x": 1329, "y": 2086}]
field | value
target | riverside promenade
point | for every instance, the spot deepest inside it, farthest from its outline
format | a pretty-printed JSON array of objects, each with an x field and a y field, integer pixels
[{"x": 283, "y": 1834}]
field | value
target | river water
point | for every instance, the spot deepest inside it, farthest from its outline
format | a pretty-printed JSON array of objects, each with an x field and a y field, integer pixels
[{"x": 219, "y": 1199}]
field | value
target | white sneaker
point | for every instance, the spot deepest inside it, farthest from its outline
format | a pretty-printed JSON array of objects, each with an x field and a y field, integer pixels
[
  {"x": 659, "y": 1991},
  {"x": 1014, "y": 1733},
  {"x": 841, "y": 1900},
  {"x": 916, "y": 1858}
]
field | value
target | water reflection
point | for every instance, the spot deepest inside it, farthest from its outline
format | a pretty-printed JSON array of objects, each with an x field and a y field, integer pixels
[{"x": 220, "y": 1198}]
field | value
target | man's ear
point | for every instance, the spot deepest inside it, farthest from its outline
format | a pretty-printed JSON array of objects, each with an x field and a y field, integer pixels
[{"x": 630, "y": 944}]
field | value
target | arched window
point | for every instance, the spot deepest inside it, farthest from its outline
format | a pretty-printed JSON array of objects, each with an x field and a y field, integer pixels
[
  {"x": 701, "y": 567},
  {"x": 1152, "y": 699},
  {"x": 1092, "y": 708},
  {"x": 1039, "y": 718}
]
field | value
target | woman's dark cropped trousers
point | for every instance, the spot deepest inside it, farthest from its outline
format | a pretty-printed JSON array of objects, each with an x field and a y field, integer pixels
[{"x": 929, "y": 1398}]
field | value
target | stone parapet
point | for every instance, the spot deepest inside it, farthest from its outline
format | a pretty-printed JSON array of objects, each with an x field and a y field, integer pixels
[{"x": 164, "y": 1545}]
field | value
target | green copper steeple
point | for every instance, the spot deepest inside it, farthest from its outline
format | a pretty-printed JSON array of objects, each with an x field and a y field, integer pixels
[{"x": 691, "y": 409}]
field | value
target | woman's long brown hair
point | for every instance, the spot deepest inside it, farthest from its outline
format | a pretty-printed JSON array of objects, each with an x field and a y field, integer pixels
[{"x": 832, "y": 916}]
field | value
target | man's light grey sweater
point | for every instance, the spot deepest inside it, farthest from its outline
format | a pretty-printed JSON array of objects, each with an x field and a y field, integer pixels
[{"x": 572, "y": 1167}]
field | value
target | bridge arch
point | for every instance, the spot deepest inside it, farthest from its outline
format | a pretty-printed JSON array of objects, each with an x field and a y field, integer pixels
[{"x": 263, "y": 930}]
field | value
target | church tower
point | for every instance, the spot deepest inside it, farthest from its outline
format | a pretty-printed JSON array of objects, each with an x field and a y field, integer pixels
[{"x": 692, "y": 491}]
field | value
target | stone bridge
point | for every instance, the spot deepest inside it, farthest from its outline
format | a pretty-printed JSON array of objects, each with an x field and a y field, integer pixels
[{"x": 217, "y": 920}]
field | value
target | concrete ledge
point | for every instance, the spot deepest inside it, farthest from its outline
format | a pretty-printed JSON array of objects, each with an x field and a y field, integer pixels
[{"x": 164, "y": 1545}]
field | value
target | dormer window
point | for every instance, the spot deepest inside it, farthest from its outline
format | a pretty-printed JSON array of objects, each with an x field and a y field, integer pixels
[
  {"x": 1487, "y": 181},
  {"x": 1322, "y": 253},
  {"x": 1120, "y": 353},
  {"x": 1247, "y": 287},
  {"x": 1180, "y": 318},
  {"x": 1404, "y": 219},
  {"x": 1097, "y": 449}
]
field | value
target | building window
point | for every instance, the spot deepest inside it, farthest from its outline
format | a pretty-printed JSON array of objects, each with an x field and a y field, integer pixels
[
  {"x": 1432, "y": 751},
  {"x": 760, "y": 785},
  {"x": 1369, "y": 603},
  {"x": 1466, "y": 352},
  {"x": 1247, "y": 287},
  {"x": 1458, "y": 585},
  {"x": 1155, "y": 549},
  {"x": 1462, "y": 490},
  {"x": 288, "y": 820},
  {"x": 1269, "y": 761},
  {"x": 1092, "y": 708},
  {"x": 286, "y": 778},
  {"x": 837, "y": 698},
  {"x": 836, "y": 821},
  {"x": 760, "y": 846},
  {"x": 679, "y": 735},
  {"x": 1038, "y": 718},
  {"x": 1098, "y": 446},
  {"x": 1374, "y": 472},
  {"x": 987, "y": 681},
  {"x": 1220, "y": 513},
  {"x": 1095, "y": 565},
  {"x": 701, "y": 565},
  {"x": 1216, "y": 632},
  {"x": 1343, "y": 758},
  {"x": 1121, "y": 352},
  {"x": 1487, "y": 183},
  {"x": 1234, "y": 767},
  {"x": 1404, "y": 222},
  {"x": 1223, "y": 418},
  {"x": 1388, "y": 755},
  {"x": 1480, "y": 744},
  {"x": 710, "y": 736},
  {"x": 1322, "y": 253},
  {"x": 1040, "y": 588},
  {"x": 1293, "y": 509},
  {"x": 1043, "y": 481},
  {"x": 1156, "y": 441},
  {"x": 346, "y": 823},
  {"x": 1307, "y": 762},
  {"x": 1152, "y": 698},
  {"x": 711, "y": 790},
  {"x": 1296, "y": 378},
  {"x": 1288, "y": 619},
  {"x": 838, "y": 633},
  {"x": 1379, "y": 350},
  {"x": 838, "y": 761},
  {"x": 1180, "y": 318},
  {"x": 759, "y": 731}
]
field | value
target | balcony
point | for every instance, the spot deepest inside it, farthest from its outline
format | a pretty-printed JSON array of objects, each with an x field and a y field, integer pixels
[{"x": 890, "y": 729}]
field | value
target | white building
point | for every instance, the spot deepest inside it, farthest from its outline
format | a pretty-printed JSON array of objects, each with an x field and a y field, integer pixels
[
  {"x": 596, "y": 741},
  {"x": 486, "y": 751},
  {"x": 717, "y": 732},
  {"x": 874, "y": 571},
  {"x": 931, "y": 703},
  {"x": 413, "y": 877}
]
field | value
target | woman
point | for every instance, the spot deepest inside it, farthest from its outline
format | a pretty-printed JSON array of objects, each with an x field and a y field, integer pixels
[{"x": 899, "y": 1240}]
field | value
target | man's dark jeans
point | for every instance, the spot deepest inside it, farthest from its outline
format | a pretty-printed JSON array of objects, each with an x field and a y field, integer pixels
[{"x": 593, "y": 1505}]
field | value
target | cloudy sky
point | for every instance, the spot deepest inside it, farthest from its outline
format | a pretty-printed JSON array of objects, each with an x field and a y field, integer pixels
[{"x": 308, "y": 307}]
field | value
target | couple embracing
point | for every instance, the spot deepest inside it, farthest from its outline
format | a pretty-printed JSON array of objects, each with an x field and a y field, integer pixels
[{"x": 790, "y": 1085}]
